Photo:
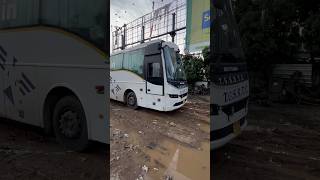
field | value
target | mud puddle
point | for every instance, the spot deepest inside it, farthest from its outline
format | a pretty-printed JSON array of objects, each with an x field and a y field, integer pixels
[
  {"x": 146, "y": 144},
  {"x": 170, "y": 160}
]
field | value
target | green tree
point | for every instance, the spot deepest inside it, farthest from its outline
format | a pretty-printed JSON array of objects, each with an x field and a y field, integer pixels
[
  {"x": 206, "y": 62},
  {"x": 194, "y": 68},
  {"x": 269, "y": 30},
  {"x": 311, "y": 35}
]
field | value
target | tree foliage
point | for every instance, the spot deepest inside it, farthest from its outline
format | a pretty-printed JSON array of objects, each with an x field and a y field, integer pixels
[
  {"x": 312, "y": 34},
  {"x": 197, "y": 67},
  {"x": 206, "y": 62},
  {"x": 193, "y": 66},
  {"x": 271, "y": 29}
]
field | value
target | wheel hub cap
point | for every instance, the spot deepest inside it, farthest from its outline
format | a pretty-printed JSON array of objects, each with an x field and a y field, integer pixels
[
  {"x": 131, "y": 100},
  {"x": 69, "y": 124}
]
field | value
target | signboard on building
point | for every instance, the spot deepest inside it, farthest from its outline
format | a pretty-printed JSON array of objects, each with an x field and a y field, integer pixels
[{"x": 198, "y": 25}]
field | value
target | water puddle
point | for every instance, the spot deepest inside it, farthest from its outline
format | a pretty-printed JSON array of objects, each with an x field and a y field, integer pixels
[
  {"x": 204, "y": 127},
  {"x": 170, "y": 160}
]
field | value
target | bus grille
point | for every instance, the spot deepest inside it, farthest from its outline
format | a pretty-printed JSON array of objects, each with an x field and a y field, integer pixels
[{"x": 178, "y": 104}]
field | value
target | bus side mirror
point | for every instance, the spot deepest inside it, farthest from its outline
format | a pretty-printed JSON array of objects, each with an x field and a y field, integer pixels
[{"x": 218, "y": 4}]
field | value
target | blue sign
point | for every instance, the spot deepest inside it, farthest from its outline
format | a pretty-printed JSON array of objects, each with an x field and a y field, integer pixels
[{"x": 206, "y": 19}]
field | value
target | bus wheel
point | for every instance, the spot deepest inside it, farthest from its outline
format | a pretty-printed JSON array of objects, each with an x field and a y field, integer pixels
[
  {"x": 69, "y": 124},
  {"x": 132, "y": 100}
]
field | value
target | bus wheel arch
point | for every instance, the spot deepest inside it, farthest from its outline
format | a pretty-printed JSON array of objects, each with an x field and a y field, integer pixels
[
  {"x": 133, "y": 102},
  {"x": 53, "y": 98},
  {"x": 50, "y": 102}
]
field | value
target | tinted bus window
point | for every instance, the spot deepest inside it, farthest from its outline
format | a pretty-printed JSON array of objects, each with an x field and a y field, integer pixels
[
  {"x": 133, "y": 61},
  {"x": 116, "y": 62},
  {"x": 81, "y": 17},
  {"x": 17, "y": 13}
]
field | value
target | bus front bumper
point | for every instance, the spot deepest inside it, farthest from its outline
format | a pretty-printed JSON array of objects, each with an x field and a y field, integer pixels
[
  {"x": 174, "y": 104},
  {"x": 227, "y": 134}
]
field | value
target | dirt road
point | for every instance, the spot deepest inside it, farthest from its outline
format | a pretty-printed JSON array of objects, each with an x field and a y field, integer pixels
[
  {"x": 147, "y": 144},
  {"x": 282, "y": 142},
  {"x": 25, "y": 153}
]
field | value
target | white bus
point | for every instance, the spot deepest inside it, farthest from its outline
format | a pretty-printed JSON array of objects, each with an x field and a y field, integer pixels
[
  {"x": 149, "y": 75},
  {"x": 53, "y": 68},
  {"x": 230, "y": 82}
]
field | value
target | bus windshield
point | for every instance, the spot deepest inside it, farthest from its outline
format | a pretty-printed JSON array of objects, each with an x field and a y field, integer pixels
[
  {"x": 173, "y": 63},
  {"x": 227, "y": 43}
]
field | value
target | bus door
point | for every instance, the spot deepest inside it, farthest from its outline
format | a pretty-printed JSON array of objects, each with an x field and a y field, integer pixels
[{"x": 154, "y": 74}]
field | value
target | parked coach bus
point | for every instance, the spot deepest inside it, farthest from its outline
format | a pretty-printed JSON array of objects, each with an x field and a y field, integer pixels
[
  {"x": 53, "y": 67},
  {"x": 230, "y": 84},
  {"x": 149, "y": 75}
]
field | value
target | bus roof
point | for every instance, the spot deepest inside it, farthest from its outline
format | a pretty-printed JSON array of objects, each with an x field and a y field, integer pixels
[{"x": 143, "y": 45}]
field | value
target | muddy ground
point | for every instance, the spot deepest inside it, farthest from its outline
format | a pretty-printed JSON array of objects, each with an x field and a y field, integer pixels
[
  {"x": 148, "y": 144},
  {"x": 26, "y": 153},
  {"x": 282, "y": 142}
]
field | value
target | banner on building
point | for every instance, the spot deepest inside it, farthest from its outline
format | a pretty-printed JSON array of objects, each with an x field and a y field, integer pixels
[{"x": 198, "y": 25}]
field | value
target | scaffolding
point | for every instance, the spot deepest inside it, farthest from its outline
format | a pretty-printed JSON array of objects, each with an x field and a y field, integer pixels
[{"x": 167, "y": 23}]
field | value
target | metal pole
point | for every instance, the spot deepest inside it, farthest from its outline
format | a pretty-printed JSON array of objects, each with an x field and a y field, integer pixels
[
  {"x": 142, "y": 30},
  {"x": 142, "y": 35},
  {"x": 173, "y": 32},
  {"x": 124, "y": 36},
  {"x": 152, "y": 5}
]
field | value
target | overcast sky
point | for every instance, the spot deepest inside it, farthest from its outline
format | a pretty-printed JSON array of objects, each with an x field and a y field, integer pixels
[{"x": 125, "y": 11}]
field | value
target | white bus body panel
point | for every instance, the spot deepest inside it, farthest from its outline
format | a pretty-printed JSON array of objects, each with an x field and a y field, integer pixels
[
  {"x": 153, "y": 89},
  {"x": 50, "y": 58},
  {"x": 122, "y": 80},
  {"x": 222, "y": 119},
  {"x": 158, "y": 96},
  {"x": 224, "y": 95}
]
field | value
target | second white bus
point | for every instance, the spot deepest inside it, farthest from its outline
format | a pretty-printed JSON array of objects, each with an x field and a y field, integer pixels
[
  {"x": 53, "y": 68},
  {"x": 230, "y": 79},
  {"x": 149, "y": 75}
]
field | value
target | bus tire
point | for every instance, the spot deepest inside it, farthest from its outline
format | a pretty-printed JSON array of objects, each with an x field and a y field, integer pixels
[
  {"x": 131, "y": 100},
  {"x": 70, "y": 125}
]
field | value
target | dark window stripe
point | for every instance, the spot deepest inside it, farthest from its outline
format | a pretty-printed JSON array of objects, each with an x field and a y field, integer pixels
[
  {"x": 224, "y": 132},
  {"x": 2, "y": 58},
  {"x": 3, "y": 51},
  {"x": 28, "y": 81},
  {"x": 22, "y": 92},
  {"x": 24, "y": 86},
  {"x": 2, "y": 67}
]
